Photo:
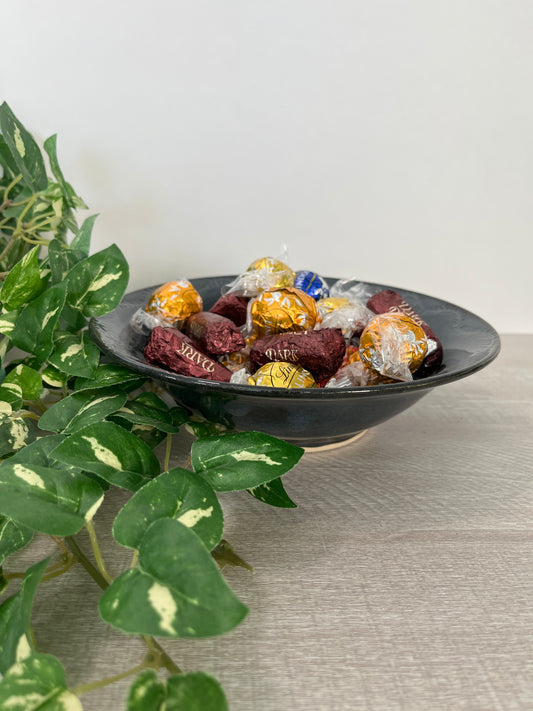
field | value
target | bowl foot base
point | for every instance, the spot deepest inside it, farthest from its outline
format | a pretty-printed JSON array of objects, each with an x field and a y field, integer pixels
[{"x": 336, "y": 445}]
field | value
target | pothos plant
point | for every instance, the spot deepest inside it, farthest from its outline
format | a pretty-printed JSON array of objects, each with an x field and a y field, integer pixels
[{"x": 73, "y": 427}]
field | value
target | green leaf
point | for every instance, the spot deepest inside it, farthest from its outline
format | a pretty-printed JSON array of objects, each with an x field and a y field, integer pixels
[
  {"x": 15, "y": 619},
  {"x": 53, "y": 377},
  {"x": 110, "y": 376},
  {"x": 78, "y": 410},
  {"x": 11, "y": 393},
  {"x": 140, "y": 414},
  {"x": 13, "y": 537},
  {"x": 274, "y": 494},
  {"x": 97, "y": 284},
  {"x": 15, "y": 433},
  {"x": 75, "y": 354},
  {"x": 242, "y": 460},
  {"x": 8, "y": 321},
  {"x": 24, "y": 150},
  {"x": 38, "y": 452},
  {"x": 36, "y": 323},
  {"x": 177, "y": 592},
  {"x": 82, "y": 239},
  {"x": 184, "y": 692},
  {"x": 70, "y": 197},
  {"x": 61, "y": 259},
  {"x": 37, "y": 683},
  {"x": 149, "y": 435},
  {"x": 53, "y": 501},
  {"x": 6, "y": 160},
  {"x": 27, "y": 379},
  {"x": 24, "y": 281},
  {"x": 110, "y": 451},
  {"x": 177, "y": 494}
]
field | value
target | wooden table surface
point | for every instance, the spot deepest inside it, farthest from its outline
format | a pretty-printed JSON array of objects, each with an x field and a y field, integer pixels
[{"x": 402, "y": 582}]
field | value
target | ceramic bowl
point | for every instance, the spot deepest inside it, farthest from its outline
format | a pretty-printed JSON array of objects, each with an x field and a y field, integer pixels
[{"x": 309, "y": 417}]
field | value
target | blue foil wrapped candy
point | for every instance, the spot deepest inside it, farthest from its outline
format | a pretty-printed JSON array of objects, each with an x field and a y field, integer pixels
[{"x": 312, "y": 283}]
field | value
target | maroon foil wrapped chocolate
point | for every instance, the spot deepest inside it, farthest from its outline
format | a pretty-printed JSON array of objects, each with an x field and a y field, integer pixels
[
  {"x": 214, "y": 334},
  {"x": 391, "y": 301},
  {"x": 319, "y": 352},
  {"x": 173, "y": 350},
  {"x": 232, "y": 306}
]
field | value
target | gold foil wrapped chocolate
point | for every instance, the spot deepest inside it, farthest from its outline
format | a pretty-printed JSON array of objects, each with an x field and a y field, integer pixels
[
  {"x": 393, "y": 345},
  {"x": 174, "y": 302},
  {"x": 264, "y": 274},
  {"x": 282, "y": 375},
  {"x": 282, "y": 310}
]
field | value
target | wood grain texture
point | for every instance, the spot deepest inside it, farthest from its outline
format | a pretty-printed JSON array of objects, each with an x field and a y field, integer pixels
[{"x": 402, "y": 582}]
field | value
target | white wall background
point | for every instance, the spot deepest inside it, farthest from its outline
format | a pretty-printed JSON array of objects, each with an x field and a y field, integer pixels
[{"x": 388, "y": 140}]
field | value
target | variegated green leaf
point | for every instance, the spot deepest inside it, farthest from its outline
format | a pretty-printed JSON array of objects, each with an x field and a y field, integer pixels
[
  {"x": 110, "y": 376},
  {"x": 11, "y": 393},
  {"x": 54, "y": 501},
  {"x": 184, "y": 692},
  {"x": 37, "y": 683},
  {"x": 78, "y": 410},
  {"x": 28, "y": 379},
  {"x": 15, "y": 619},
  {"x": 8, "y": 321},
  {"x": 36, "y": 323},
  {"x": 242, "y": 460},
  {"x": 61, "y": 259},
  {"x": 110, "y": 451},
  {"x": 6, "y": 159},
  {"x": 177, "y": 494},
  {"x": 13, "y": 536},
  {"x": 38, "y": 452},
  {"x": 82, "y": 240},
  {"x": 53, "y": 377},
  {"x": 70, "y": 197},
  {"x": 97, "y": 284},
  {"x": 24, "y": 281},
  {"x": 24, "y": 150},
  {"x": 15, "y": 433},
  {"x": 273, "y": 493},
  {"x": 178, "y": 590},
  {"x": 138, "y": 413},
  {"x": 75, "y": 354}
]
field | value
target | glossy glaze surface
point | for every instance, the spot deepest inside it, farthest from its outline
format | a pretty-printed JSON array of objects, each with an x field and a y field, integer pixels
[{"x": 310, "y": 417}]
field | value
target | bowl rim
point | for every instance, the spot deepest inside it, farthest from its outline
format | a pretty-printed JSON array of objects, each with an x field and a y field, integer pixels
[{"x": 207, "y": 387}]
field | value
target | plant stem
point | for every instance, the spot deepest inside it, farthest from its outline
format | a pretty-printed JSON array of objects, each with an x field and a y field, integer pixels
[
  {"x": 28, "y": 207},
  {"x": 158, "y": 651},
  {"x": 98, "y": 578},
  {"x": 92, "y": 686},
  {"x": 60, "y": 570},
  {"x": 134, "y": 559},
  {"x": 10, "y": 187},
  {"x": 7, "y": 248},
  {"x": 167, "y": 452},
  {"x": 97, "y": 552},
  {"x": 187, "y": 463},
  {"x": 89, "y": 567}
]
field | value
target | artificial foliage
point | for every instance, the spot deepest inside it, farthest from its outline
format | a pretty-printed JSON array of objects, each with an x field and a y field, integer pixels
[{"x": 72, "y": 427}]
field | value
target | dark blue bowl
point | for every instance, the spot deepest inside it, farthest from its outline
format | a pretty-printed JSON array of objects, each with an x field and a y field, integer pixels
[{"x": 309, "y": 417}]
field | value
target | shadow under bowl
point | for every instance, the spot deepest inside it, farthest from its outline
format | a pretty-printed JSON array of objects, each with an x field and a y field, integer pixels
[{"x": 309, "y": 417}]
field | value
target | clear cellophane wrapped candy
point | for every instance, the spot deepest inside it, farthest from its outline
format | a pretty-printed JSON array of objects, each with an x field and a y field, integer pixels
[{"x": 264, "y": 274}]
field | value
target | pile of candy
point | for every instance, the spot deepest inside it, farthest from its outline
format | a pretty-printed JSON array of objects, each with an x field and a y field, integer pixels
[{"x": 276, "y": 328}]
